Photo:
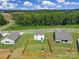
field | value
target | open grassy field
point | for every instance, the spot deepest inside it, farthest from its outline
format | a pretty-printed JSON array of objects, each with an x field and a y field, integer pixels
[
  {"x": 34, "y": 48},
  {"x": 18, "y": 27}
]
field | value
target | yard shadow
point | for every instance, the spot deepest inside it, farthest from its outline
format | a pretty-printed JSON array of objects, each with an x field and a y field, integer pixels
[{"x": 54, "y": 36}]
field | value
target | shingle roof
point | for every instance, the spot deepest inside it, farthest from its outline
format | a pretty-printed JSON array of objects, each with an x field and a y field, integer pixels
[
  {"x": 39, "y": 32},
  {"x": 0, "y": 34},
  {"x": 63, "y": 35},
  {"x": 14, "y": 36}
]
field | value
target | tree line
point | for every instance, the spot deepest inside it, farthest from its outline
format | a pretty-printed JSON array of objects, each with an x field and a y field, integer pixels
[
  {"x": 2, "y": 20},
  {"x": 46, "y": 17}
]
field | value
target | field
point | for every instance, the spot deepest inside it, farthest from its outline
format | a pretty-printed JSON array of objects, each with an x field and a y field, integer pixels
[
  {"x": 18, "y": 27},
  {"x": 27, "y": 48}
]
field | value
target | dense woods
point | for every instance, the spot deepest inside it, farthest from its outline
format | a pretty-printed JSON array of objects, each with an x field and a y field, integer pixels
[
  {"x": 2, "y": 20},
  {"x": 46, "y": 17}
]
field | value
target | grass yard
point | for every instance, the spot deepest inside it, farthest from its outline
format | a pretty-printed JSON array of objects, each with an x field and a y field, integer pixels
[
  {"x": 18, "y": 27},
  {"x": 34, "y": 50},
  {"x": 60, "y": 50}
]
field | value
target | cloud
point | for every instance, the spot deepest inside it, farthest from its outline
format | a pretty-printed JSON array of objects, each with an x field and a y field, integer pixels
[
  {"x": 48, "y": 3},
  {"x": 12, "y": 0},
  {"x": 58, "y": 6},
  {"x": 71, "y": 3},
  {"x": 12, "y": 6},
  {"x": 1, "y": 7},
  {"x": 41, "y": 0},
  {"x": 4, "y": 0},
  {"x": 27, "y": 4},
  {"x": 60, "y": 1},
  {"x": 39, "y": 7},
  {"x": 5, "y": 4}
]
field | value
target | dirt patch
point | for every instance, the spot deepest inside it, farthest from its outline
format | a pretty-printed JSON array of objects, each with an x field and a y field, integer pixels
[
  {"x": 4, "y": 53},
  {"x": 36, "y": 54}
]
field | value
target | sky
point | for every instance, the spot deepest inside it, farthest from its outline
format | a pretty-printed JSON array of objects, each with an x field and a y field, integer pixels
[{"x": 38, "y": 4}]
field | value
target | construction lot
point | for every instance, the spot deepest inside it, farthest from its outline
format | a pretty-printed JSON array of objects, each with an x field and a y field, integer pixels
[{"x": 27, "y": 48}]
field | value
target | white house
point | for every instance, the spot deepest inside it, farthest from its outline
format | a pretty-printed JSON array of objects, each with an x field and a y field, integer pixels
[
  {"x": 39, "y": 35},
  {"x": 11, "y": 38},
  {"x": 3, "y": 33}
]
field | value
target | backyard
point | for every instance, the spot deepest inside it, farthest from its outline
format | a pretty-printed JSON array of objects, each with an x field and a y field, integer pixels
[{"x": 34, "y": 49}]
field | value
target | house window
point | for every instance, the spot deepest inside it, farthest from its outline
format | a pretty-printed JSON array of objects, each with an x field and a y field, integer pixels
[
  {"x": 41, "y": 38},
  {"x": 7, "y": 42},
  {"x": 64, "y": 40}
]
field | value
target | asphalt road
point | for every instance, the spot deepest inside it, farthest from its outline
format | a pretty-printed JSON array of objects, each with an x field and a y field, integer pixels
[{"x": 48, "y": 30}]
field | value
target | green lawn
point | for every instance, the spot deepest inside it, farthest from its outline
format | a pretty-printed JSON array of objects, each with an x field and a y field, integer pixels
[
  {"x": 18, "y": 27},
  {"x": 59, "y": 50}
]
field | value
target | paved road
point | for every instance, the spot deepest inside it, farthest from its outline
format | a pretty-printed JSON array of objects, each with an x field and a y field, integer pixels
[{"x": 48, "y": 30}]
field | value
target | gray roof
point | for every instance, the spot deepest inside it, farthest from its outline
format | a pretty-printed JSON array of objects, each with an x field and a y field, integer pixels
[
  {"x": 39, "y": 32},
  {"x": 14, "y": 36},
  {"x": 63, "y": 35},
  {"x": 0, "y": 34}
]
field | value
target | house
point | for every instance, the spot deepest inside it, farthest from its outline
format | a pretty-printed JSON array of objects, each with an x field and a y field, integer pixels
[
  {"x": 0, "y": 35},
  {"x": 77, "y": 44},
  {"x": 11, "y": 38},
  {"x": 63, "y": 36},
  {"x": 39, "y": 35},
  {"x": 3, "y": 33}
]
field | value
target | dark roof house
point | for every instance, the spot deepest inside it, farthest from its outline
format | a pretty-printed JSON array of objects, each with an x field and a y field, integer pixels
[
  {"x": 63, "y": 36},
  {"x": 14, "y": 36},
  {"x": 39, "y": 32}
]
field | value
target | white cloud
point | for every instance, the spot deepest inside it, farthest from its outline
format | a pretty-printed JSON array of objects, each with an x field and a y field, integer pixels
[
  {"x": 38, "y": 7},
  {"x": 71, "y": 3},
  {"x": 41, "y": 0},
  {"x": 12, "y": 6},
  {"x": 60, "y": 1},
  {"x": 4, "y": 0},
  {"x": 48, "y": 3},
  {"x": 5, "y": 4},
  {"x": 13, "y": 0},
  {"x": 58, "y": 6},
  {"x": 27, "y": 3},
  {"x": 1, "y": 7}
]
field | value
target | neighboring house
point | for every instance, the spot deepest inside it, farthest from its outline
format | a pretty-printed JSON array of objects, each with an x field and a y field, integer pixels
[
  {"x": 11, "y": 38},
  {"x": 63, "y": 36},
  {"x": 3, "y": 33},
  {"x": 78, "y": 44},
  {"x": 0, "y": 35},
  {"x": 39, "y": 35}
]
